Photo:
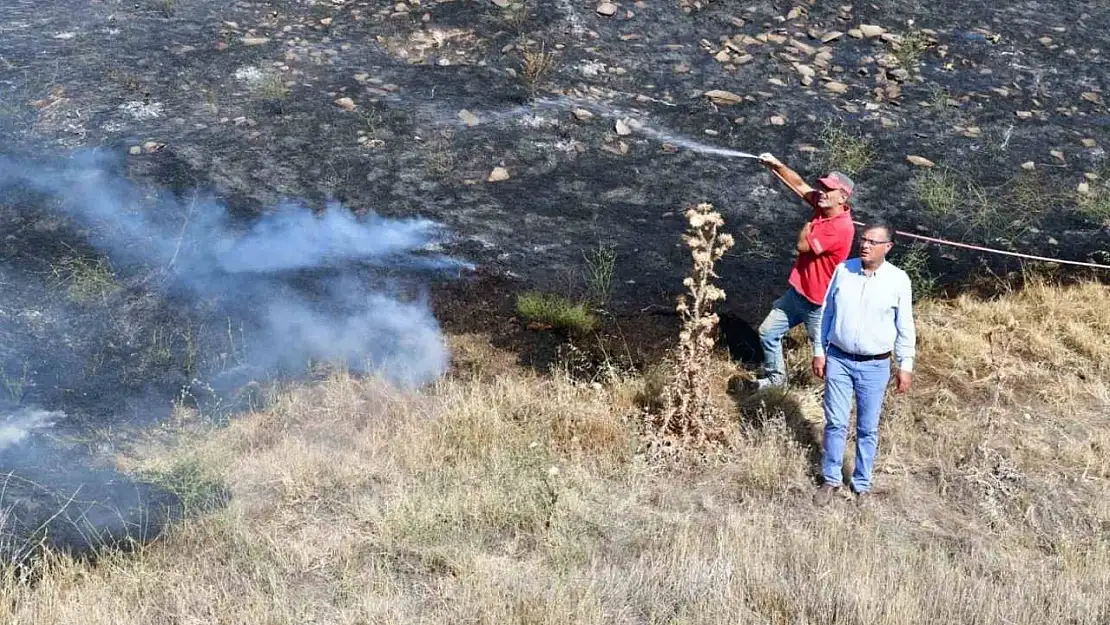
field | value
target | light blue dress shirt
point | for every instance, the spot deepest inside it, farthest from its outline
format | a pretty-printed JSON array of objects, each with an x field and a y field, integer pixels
[{"x": 869, "y": 314}]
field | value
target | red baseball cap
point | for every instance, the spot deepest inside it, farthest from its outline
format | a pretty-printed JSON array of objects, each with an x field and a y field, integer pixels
[{"x": 838, "y": 180}]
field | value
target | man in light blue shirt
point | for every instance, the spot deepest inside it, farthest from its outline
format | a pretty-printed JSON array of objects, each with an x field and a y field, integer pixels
[{"x": 868, "y": 314}]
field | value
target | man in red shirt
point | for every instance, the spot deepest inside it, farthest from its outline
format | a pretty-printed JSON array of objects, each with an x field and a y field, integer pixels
[{"x": 823, "y": 243}]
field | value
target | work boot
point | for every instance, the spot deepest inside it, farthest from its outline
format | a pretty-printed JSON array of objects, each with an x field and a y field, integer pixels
[{"x": 824, "y": 495}]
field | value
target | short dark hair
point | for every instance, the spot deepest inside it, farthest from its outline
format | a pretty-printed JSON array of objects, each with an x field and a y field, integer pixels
[{"x": 880, "y": 223}]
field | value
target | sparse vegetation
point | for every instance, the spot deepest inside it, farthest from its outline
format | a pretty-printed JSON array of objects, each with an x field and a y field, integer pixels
[
  {"x": 535, "y": 65},
  {"x": 1094, "y": 203},
  {"x": 84, "y": 279},
  {"x": 16, "y": 383},
  {"x": 913, "y": 258},
  {"x": 598, "y": 273},
  {"x": 843, "y": 150},
  {"x": 940, "y": 190},
  {"x": 910, "y": 49},
  {"x": 556, "y": 311}
]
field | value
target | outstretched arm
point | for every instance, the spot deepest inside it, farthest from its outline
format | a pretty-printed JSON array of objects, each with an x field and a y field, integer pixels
[{"x": 788, "y": 176}]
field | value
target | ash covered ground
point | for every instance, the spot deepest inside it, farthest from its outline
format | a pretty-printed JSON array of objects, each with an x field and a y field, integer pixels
[{"x": 403, "y": 110}]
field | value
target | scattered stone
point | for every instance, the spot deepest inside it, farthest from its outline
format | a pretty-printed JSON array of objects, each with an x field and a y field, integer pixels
[
  {"x": 871, "y": 31},
  {"x": 362, "y": 77},
  {"x": 1024, "y": 114},
  {"x": 582, "y": 115},
  {"x": 622, "y": 128},
  {"x": 681, "y": 68},
  {"x": 722, "y": 57},
  {"x": 468, "y": 118},
  {"x": 1089, "y": 143},
  {"x": 501, "y": 4},
  {"x": 1028, "y": 165},
  {"x": 777, "y": 120},
  {"x": 1045, "y": 41},
  {"x": 795, "y": 13},
  {"x": 1091, "y": 96},
  {"x": 919, "y": 161},
  {"x": 152, "y": 146},
  {"x": 607, "y": 9},
  {"x": 346, "y": 104},
  {"x": 255, "y": 41},
  {"x": 804, "y": 48},
  {"x": 1057, "y": 154},
  {"x": 720, "y": 96},
  {"x": 326, "y": 21},
  {"x": 744, "y": 58},
  {"x": 498, "y": 174},
  {"x": 1090, "y": 175},
  {"x": 855, "y": 33},
  {"x": 135, "y": 150},
  {"x": 1083, "y": 188},
  {"x": 711, "y": 132},
  {"x": 836, "y": 87},
  {"x": 776, "y": 82},
  {"x": 830, "y": 37}
]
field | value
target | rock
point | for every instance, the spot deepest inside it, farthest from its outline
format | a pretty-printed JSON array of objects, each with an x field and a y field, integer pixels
[
  {"x": 1089, "y": 143},
  {"x": 804, "y": 48},
  {"x": 870, "y": 30},
  {"x": 794, "y": 13},
  {"x": 468, "y": 118},
  {"x": 1057, "y": 154},
  {"x": 719, "y": 96},
  {"x": 1091, "y": 96},
  {"x": 855, "y": 33},
  {"x": 501, "y": 4},
  {"x": 498, "y": 174},
  {"x": 681, "y": 68},
  {"x": 582, "y": 115},
  {"x": 1083, "y": 188},
  {"x": 722, "y": 57},
  {"x": 776, "y": 82},
  {"x": 919, "y": 161},
  {"x": 346, "y": 104},
  {"x": 1024, "y": 114},
  {"x": 1028, "y": 165},
  {"x": 830, "y": 37},
  {"x": 152, "y": 146},
  {"x": 326, "y": 21},
  {"x": 622, "y": 128},
  {"x": 607, "y": 9},
  {"x": 1045, "y": 41},
  {"x": 836, "y": 87},
  {"x": 777, "y": 120},
  {"x": 135, "y": 150},
  {"x": 744, "y": 58},
  {"x": 255, "y": 41}
]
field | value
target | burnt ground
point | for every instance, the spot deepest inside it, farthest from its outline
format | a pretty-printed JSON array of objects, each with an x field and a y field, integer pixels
[{"x": 244, "y": 99}]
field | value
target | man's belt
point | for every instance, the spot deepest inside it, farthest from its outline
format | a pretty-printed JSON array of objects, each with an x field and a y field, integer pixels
[{"x": 862, "y": 357}]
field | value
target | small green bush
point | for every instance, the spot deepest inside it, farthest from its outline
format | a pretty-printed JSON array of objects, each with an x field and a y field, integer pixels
[{"x": 556, "y": 311}]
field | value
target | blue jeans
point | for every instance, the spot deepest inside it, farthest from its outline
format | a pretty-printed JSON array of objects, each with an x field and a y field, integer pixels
[
  {"x": 867, "y": 381},
  {"x": 788, "y": 311}
]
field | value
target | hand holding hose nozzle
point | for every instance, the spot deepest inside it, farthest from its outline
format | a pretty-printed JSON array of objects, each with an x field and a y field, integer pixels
[{"x": 769, "y": 160}]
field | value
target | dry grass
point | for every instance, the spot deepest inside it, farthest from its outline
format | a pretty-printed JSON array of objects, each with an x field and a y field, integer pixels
[{"x": 521, "y": 499}]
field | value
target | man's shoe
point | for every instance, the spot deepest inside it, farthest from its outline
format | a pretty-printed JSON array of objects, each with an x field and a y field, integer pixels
[
  {"x": 824, "y": 495},
  {"x": 763, "y": 384}
]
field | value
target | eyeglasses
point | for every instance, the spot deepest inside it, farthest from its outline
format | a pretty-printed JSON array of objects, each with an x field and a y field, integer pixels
[{"x": 866, "y": 241}]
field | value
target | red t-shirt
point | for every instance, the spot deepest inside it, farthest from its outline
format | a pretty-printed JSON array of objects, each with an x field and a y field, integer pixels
[{"x": 830, "y": 242}]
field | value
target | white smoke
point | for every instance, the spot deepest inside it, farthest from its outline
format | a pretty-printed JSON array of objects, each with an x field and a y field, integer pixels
[
  {"x": 17, "y": 426},
  {"x": 345, "y": 315}
]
